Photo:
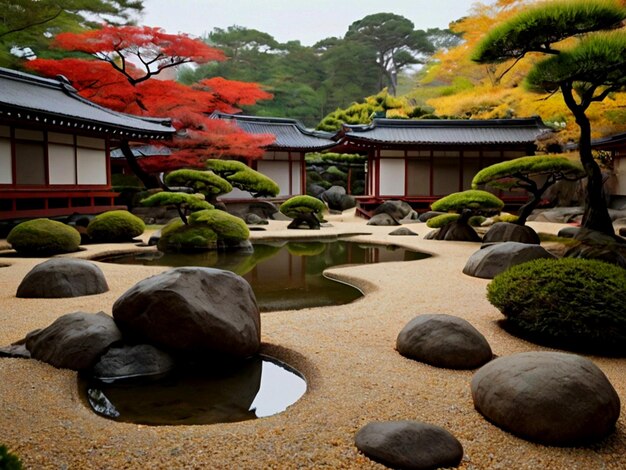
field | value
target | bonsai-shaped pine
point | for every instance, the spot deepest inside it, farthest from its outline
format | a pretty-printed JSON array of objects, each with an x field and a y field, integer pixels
[
  {"x": 533, "y": 174},
  {"x": 204, "y": 182},
  {"x": 473, "y": 202},
  {"x": 586, "y": 72},
  {"x": 184, "y": 203},
  {"x": 303, "y": 210},
  {"x": 241, "y": 176}
]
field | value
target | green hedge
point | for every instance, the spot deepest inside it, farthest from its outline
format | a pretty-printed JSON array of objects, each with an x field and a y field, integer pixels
[
  {"x": 296, "y": 205},
  {"x": 180, "y": 237},
  {"x": 114, "y": 227},
  {"x": 43, "y": 237},
  {"x": 227, "y": 227},
  {"x": 573, "y": 302},
  {"x": 440, "y": 220}
]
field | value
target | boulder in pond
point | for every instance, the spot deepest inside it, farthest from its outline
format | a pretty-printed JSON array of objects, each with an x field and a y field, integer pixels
[
  {"x": 140, "y": 360},
  {"x": 62, "y": 277},
  {"x": 192, "y": 310},
  {"x": 547, "y": 397},
  {"x": 443, "y": 341},
  {"x": 491, "y": 260},
  {"x": 508, "y": 232},
  {"x": 74, "y": 341},
  {"x": 409, "y": 445}
]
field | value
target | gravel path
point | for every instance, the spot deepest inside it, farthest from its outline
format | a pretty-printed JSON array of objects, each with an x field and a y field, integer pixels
[{"x": 346, "y": 353}]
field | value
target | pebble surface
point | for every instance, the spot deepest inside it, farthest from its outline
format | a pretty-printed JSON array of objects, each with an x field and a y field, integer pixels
[{"x": 346, "y": 353}]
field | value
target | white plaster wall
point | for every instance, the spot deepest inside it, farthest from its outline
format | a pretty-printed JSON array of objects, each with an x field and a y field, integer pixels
[
  {"x": 61, "y": 164},
  {"x": 278, "y": 171},
  {"x": 91, "y": 166},
  {"x": 6, "y": 173},
  {"x": 391, "y": 177}
]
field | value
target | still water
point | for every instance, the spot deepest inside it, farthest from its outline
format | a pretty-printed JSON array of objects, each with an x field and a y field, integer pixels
[{"x": 285, "y": 276}]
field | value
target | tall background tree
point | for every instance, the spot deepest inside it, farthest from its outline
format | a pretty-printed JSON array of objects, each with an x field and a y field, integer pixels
[
  {"x": 120, "y": 73},
  {"x": 27, "y": 26},
  {"x": 585, "y": 69}
]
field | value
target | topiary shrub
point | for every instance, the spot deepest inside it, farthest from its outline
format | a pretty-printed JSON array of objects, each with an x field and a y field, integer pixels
[
  {"x": 43, "y": 237},
  {"x": 180, "y": 237},
  {"x": 241, "y": 176},
  {"x": 298, "y": 205},
  {"x": 227, "y": 227},
  {"x": 441, "y": 220},
  {"x": 573, "y": 303},
  {"x": 115, "y": 227},
  {"x": 9, "y": 461}
]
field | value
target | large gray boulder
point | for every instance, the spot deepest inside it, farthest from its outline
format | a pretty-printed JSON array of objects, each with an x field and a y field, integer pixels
[
  {"x": 396, "y": 209},
  {"x": 455, "y": 231},
  {"x": 74, "y": 341},
  {"x": 443, "y": 341},
  {"x": 561, "y": 215},
  {"x": 409, "y": 445},
  {"x": 337, "y": 199},
  {"x": 598, "y": 245},
  {"x": 140, "y": 360},
  {"x": 491, "y": 260},
  {"x": 547, "y": 397},
  {"x": 192, "y": 310},
  {"x": 62, "y": 277},
  {"x": 508, "y": 232},
  {"x": 382, "y": 220}
]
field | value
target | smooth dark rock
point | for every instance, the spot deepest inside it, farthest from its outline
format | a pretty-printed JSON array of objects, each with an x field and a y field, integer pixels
[
  {"x": 561, "y": 215},
  {"x": 305, "y": 221},
  {"x": 568, "y": 232},
  {"x": 254, "y": 219},
  {"x": 443, "y": 341},
  {"x": 455, "y": 231},
  {"x": 192, "y": 310},
  {"x": 508, "y": 232},
  {"x": 491, "y": 260},
  {"x": 16, "y": 351},
  {"x": 337, "y": 199},
  {"x": 410, "y": 445},
  {"x": 62, "y": 277},
  {"x": 382, "y": 220},
  {"x": 599, "y": 246},
  {"x": 133, "y": 361},
  {"x": 547, "y": 397},
  {"x": 403, "y": 231},
  {"x": 74, "y": 341},
  {"x": 396, "y": 209},
  {"x": 426, "y": 216}
]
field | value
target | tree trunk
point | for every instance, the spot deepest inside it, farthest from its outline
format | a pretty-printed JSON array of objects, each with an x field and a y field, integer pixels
[
  {"x": 528, "y": 208},
  {"x": 596, "y": 215},
  {"x": 149, "y": 181}
]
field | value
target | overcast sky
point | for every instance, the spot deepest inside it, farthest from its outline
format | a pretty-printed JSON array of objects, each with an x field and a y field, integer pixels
[{"x": 306, "y": 20}]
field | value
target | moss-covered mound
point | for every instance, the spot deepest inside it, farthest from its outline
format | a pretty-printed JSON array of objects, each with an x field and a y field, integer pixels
[
  {"x": 243, "y": 177},
  {"x": 205, "y": 182},
  {"x": 227, "y": 227},
  {"x": 43, "y": 237},
  {"x": 180, "y": 237},
  {"x": 115, "y": 227},
  {"x": 573, "y": 303},
  {"x": 440, "y": 220},
  {"x": 297, "y": 205},
  {"x": 472, "y": 199}
]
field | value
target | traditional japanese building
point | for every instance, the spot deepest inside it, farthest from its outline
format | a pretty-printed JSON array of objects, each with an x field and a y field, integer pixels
[
  {"x": 55, "y": 147},
  {"x": 616, "y": 146},
  {"x": 283, "y": 160},
  {"x": 422, "y": 160}
]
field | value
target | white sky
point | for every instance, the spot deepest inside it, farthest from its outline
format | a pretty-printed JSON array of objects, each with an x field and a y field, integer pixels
[{"x": 305, "y": 20}]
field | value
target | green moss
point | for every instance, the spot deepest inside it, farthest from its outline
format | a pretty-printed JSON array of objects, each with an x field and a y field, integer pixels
[
  {"x": 472, "y": 199},
  {"x": 306, "y": 249},
  {"x": 296, "y": 205},
  {"x": 205, "y": 182},
  {"x": 115, "y": 227},
  {"x": 227, "y": 227},
  {"x": 510, "y": 218},
  {"x": 43, "y": 237},
  {"x": 8, "y": 460},
  {"x": 243, "y": 177},
  {"x": 179, "y": 237},
  {"x": 193, "y": 202},
  {"x": 568, "y": 301},
  {"x": 441, "y": 220}
]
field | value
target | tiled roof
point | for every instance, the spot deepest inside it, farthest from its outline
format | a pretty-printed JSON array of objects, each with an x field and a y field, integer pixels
[
  {"x": 610, "y": 141},
  {"x": 26, "y": 97},
  {"x": 447, "y": 131},
  {"x": 289, "y": 133},
  {"x": 142, "y": 151}
]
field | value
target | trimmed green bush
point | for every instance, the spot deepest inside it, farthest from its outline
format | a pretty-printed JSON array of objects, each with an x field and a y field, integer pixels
[
  {"x": 43, "y": 237},
  {"x": 441, "y": 220},
  {"x": 243, "y": 177},
  {"x": 115, "y": 227},
  {"x": 180, "y": 237},
  {"x": 8, "y": 460},
  {"x": 205, "y": 182},
  {"x": 227, "y": 227},
  {"x": 571, "y": 302},
  {"x": 474, "y": 199},
  {"x": 297, "y": 205}
]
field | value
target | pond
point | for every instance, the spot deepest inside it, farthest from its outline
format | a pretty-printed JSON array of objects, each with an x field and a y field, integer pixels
[
  {"x": 285, "y": 275},
  {"x": 254, "y": 388}
]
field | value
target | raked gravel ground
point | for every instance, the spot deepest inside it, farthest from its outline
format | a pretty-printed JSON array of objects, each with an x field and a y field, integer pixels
[{"x": 346, "y": 354}]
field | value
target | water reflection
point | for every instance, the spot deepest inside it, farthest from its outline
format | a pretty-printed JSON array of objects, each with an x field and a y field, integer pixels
[
  {"x": 255, "y": 388},
  {"x": 285, "y": 276}
]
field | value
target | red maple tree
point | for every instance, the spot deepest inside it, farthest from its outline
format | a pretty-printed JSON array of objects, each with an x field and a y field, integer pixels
[{"x": 120, "y": 75}]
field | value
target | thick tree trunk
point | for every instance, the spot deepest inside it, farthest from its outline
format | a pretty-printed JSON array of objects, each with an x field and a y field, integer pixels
[
  {"x": 596, "y": 215},
  {"x": 528, "y": 208},
  {"x": 149, "y": 181}
]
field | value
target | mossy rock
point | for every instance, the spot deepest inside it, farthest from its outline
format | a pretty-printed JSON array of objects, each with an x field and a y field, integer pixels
[
  {"x": 180, "y": 237},
  {"x": 115, "y": 227},
  {"x": 441, "y": 220},
  {"x": 568, "y": 302},
  {"x": 43, "y": 237},
  {"x": 227, "y": 227},
  {"x": 297, "y": 205}
]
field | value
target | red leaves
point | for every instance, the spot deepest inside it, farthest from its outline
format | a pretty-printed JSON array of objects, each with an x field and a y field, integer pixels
[{"x": 128, "y": 57}]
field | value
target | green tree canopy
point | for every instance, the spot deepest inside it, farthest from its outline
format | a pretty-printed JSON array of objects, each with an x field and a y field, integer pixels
[
  {"x": 243, "y": 177},
  {"x": 204, "y": 182},
  {"x": 184, "y": 203},
  {"x": 584, "y": 71},
  {"x": 474, "y": 200}
]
